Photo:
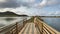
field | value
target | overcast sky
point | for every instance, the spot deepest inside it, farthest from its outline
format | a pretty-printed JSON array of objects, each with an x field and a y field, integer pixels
[{"x": 31, "y": 7}]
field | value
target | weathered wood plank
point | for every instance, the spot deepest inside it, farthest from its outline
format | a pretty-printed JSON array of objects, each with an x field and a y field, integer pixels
[{"x": 30, "y": 29}]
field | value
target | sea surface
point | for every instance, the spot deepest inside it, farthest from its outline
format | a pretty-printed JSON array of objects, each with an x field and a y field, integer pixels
[
  {"x": 5, "y": 21},
  {"x": 53, "y": 22}
]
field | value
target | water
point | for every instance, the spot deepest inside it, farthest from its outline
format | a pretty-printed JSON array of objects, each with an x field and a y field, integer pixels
[
  {"x": 5, "y": 21},
  {"x": 53, "y": 22},
  {"x": 8, "y": 21}
]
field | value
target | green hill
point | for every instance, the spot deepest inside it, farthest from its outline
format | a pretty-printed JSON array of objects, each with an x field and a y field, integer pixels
[{"x": 9, "y": 14}]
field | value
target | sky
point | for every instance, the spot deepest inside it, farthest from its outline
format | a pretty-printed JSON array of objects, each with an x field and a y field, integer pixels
[{"x": 31, "y": 7}]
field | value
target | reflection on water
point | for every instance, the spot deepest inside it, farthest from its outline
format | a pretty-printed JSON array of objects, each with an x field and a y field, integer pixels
[
  {"x": 4, "y": 21},
  {"x": 9, "y": 19},
  {"x": 54, "y": 22}
]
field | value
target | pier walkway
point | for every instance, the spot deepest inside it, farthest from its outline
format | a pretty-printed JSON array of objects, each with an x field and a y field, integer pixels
[
  {"x": 29, "y": 29},
  {"x": 34, "y": 25}
]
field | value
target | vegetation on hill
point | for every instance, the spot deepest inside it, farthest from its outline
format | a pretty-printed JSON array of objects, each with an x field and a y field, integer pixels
[{"x": 9, "y": 14}]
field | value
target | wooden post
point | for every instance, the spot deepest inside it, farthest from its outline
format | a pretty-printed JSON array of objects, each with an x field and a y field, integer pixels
[
  {"x": 23, "y": 23},
  {"x": 16, "y": 27},
  {"x": 42, "y": 28}
]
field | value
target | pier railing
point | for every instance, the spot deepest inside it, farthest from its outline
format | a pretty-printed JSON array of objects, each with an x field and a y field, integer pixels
[
  {"x": 14, "y": 28},
  {"x": 44, "y": 28}
]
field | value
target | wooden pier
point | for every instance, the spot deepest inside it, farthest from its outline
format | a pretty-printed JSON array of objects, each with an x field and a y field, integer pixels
[{"x": 32, "y": 26}]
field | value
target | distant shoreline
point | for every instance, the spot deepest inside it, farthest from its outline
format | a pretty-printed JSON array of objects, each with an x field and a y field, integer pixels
[{"x": 50, "y": 16}]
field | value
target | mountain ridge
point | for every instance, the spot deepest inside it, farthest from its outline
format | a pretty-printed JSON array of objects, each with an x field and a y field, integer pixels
[{"x": 9, "y": 14}]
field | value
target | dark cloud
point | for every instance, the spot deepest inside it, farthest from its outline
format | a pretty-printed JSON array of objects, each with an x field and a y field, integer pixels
[
  {"x": 25, "y": 4},
  {"x": 14, "y": 4},
  {"x": 9, "y": 4}
]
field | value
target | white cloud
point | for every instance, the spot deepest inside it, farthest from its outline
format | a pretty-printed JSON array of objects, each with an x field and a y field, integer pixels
[
  {"x": 32, "y": 11},
  {"x": 47, "y": 3},
  {"x": 7, "y": 9},
  {"x": 53, "y": 13},
  {"x": 27, "y": 1},
  {"x": 21, "y": 10},
  {"x": 57, "y": 13},
  {"x": 43, "y": 3},
  {"x": 2, "y": 0},
  {"x": 52, "y": 2}
]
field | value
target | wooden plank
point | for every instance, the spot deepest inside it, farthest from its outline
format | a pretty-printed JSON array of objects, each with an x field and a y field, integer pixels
[
  {"x": 23, "y": 29},
  {"x": 30, "y": 32},
  {"x": 26, "y": 30},
  {"x": 35, "y": 31},
  {"x": 31, "y": 29}
]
